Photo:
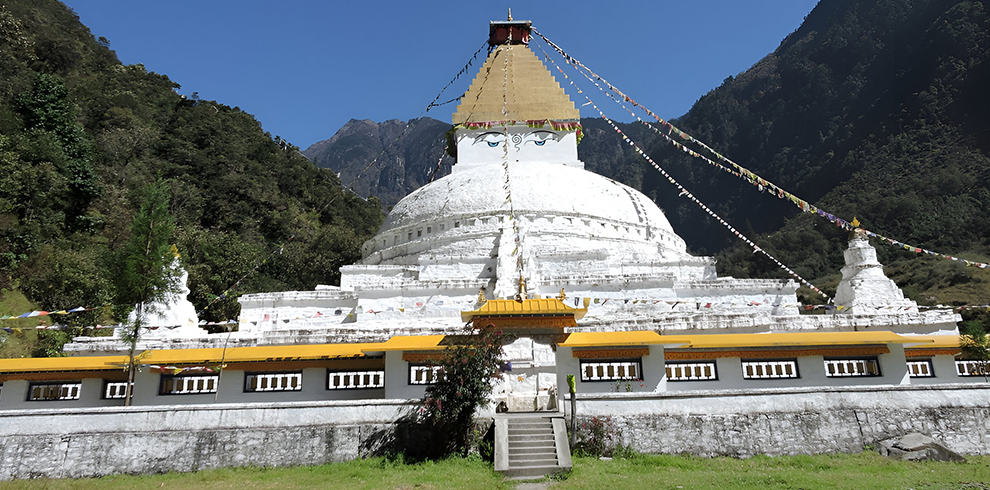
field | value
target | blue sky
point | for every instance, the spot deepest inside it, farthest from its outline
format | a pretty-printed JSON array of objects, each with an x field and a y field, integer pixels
[{"x": 304, "y": 68}]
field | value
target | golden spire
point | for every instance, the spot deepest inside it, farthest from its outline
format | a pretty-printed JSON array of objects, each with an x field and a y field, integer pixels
[
  {"x": 514, "y": 81},
  {"x": 510, "y": 14},
  {"x": 562, "y": 296},
  {"x": 481, "y": 296},
  {"x": 855, "y": 222}
]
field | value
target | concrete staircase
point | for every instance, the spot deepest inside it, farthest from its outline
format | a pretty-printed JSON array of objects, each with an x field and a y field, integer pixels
[{"x": 531, "y": 445}]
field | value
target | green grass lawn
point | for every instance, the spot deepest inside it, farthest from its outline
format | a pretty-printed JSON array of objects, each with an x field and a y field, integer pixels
[
  {"x": 842, "y": 471},
  {"x": 867, "y": 470}
]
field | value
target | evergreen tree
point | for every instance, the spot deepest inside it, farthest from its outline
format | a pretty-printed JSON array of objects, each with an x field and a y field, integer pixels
[{"x": 146, "y": 274}]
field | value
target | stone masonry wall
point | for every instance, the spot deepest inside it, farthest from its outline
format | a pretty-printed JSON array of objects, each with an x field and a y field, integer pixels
[
  {"x": 795, "y": 420},
  {"x": 72, "y": 443}
]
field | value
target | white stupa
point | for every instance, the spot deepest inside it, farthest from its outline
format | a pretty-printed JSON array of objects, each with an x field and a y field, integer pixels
[
  {"x": 519, "y": 216},
  {"x": 174, "y": 315},
  {"x": 864, "y": 289}
]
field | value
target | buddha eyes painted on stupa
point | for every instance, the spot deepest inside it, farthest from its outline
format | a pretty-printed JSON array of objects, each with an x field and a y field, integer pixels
[
  {"x": 491, "y": 138},
  {"x": 540, "y": 138},
  {"x": 494, "y": 139}
]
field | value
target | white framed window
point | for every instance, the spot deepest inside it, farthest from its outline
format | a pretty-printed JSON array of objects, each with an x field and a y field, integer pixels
[
  {"x": 847, "y": 368},
  {"x": 770, "y": 369},
  {"x": 612, "y": 370},
  {"x": 972, "y": 368},
  {"x": 254, "y": 382},
  {"x": 921, "y": 369},
  {"x": 189, "y": 385},
  {"x": 114, "y": 390},
  {"x": 68, "y": 390},
  {"x": 355, "y": 380},
  {"x": 423, "y": 374},
  {"x": 691, "y": 371}
]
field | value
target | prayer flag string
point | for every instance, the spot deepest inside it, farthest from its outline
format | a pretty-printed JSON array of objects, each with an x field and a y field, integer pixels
[
  {"x": 683, "y": 191},
  {"x": 737, "y": 170}
]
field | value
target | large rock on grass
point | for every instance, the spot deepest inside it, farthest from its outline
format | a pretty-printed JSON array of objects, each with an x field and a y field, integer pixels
[{"x": 917, "y": 447}]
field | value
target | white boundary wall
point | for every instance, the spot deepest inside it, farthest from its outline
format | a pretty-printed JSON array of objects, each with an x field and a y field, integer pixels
[
  {"x": 99, "y": 441},
  {"x": 790, "y": 421},
  {"x": 87, "y": 442}
]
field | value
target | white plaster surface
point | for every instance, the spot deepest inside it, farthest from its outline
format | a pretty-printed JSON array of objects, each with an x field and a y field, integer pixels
[
  {"x": 864, "y": 288},
  {"x": 174, "y": 311}
]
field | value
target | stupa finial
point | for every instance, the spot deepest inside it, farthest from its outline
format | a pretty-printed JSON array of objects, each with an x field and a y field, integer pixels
[
  {"x": 857, "y": 233},
  {"x": 510, "y": 14}
]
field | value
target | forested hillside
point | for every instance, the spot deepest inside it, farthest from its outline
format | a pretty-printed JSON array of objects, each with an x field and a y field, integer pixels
[
  {"x": 876, "y": 109},
  {"x": 82, "y": 134},
  {"x": 387, "y": 160}
]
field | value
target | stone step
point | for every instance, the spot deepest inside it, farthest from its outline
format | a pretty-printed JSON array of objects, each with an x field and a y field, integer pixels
[
  {"x": 549, "y": 449},
  {"x": 547, "y": 427},
  {"x": 533, "y": 462},
  {"x": 529, "y": 448},
  {"x": 541, "y": 454},
  {"x": 512, "y": 422},
  {"x": 531, "y": 472},
  {"x": 527, "y": 440},
  {"x": 535, "y": 443},
  {"x": 542, "y": 425},
  {"x": 536, "y": 430}
]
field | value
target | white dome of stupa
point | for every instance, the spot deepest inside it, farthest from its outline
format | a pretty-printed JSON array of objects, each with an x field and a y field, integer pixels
[{"x": 566, "y": 200}]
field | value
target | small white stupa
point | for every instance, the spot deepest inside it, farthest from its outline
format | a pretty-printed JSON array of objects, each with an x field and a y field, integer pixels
[
  {"x": 175, "y": 313},
  {"x": 864, "y": 289}
]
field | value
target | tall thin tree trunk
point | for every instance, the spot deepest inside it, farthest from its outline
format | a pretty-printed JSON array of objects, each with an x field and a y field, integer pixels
[{"x": 130, "y": 355}]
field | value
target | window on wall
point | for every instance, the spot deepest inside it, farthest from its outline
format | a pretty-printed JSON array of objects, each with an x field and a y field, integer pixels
[
  {"x": 113, "y": 390},
  {"x": 691, "y": 371},
  {"x": 770, "y": 369},
  {"x": 617, "y": 370},
  {"x": 423, "y": 374},
  {"x": 921, "y": 369},
  {"x": 355, "y": 380},
  {"x": 847, "y": 368},
  {"x": 972, "y": 368},
  {"x": 189, "y": 385},
  {"x": 68, "y": 390},
  {"x": 254, "y": 382}
]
